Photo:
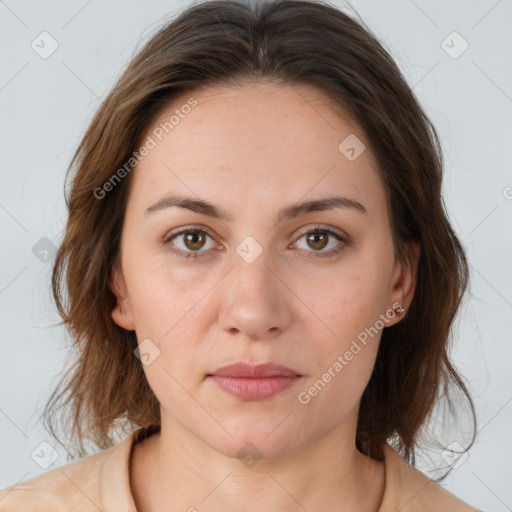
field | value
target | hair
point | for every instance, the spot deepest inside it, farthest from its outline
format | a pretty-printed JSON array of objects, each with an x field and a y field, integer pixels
[{"x": 288, "y": 42}]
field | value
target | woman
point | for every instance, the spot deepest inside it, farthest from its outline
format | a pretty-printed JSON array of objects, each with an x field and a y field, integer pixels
[{"x": 261, "y": 276}]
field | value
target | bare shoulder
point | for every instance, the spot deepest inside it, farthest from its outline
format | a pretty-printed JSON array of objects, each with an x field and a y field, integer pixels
[
  {"x": 430, "y": 496},
  {"x": 73, "y": 486},
  {"x": 420, "y": 493}
]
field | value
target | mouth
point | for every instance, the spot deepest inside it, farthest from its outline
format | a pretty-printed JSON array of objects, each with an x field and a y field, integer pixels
[{"x": 254, "y": 382}]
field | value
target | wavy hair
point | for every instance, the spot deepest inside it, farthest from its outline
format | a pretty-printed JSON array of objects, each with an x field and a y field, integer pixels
[{"x": 226, "y": 42}]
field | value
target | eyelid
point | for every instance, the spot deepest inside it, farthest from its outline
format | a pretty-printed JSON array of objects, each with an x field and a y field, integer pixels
[
  {"x": 343, "y": 238},
  {"x": 320, "y": 227},
  {"x": 302, "y": 232},
  {"x": 184, "y": 229}
]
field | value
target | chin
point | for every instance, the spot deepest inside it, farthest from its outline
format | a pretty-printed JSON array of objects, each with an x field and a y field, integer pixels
[{"x": 263, "y": 438}]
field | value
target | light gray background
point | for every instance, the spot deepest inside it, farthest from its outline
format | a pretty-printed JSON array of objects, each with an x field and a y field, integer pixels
[{"x": 46, "y": 104}]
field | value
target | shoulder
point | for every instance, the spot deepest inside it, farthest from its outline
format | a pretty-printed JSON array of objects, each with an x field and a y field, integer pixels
[
  {"x": 79, "y": 486},
  {"x": 73, "y": 485},
  {"x": 414, "y": 492}
]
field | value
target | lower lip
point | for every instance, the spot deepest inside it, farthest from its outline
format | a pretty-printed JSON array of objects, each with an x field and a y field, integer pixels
[{"x": 254, "y": 388}]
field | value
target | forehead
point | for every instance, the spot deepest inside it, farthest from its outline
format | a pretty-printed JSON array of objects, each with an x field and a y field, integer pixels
[
  {"x": 259, "y": 112},
  {"x": 255, "y": 142}
]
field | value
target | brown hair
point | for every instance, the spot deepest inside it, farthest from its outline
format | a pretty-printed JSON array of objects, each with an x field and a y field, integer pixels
[{"x": 223, "y": 42}]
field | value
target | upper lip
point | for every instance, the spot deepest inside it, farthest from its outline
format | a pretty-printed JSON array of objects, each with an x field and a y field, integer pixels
[{"x": 250, "y": 370}]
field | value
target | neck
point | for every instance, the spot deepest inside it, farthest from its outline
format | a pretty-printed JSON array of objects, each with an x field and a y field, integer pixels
[{"x": 174, "y": 470}]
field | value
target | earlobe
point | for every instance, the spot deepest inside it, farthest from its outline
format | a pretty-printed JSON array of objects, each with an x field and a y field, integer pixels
[
  {"x": 405, "y": 282},
  {"x": 121, "y": 314}
]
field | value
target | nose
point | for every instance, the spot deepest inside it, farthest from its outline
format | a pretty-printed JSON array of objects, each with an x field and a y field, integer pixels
[{"x": 255, "y": 302}]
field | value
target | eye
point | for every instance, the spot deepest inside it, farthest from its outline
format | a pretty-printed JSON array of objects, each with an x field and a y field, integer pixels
[
  {"x": 319, "y": 237},
  {"x": 190, "y": 239}
]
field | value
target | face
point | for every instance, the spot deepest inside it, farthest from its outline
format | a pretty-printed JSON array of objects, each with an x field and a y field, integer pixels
[{"x": 310, "y": 289}]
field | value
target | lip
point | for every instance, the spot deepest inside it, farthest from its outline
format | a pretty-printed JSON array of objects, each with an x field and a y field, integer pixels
[
  {"x": 254, "y": 382},
  {"x": 255, "y": 370}
]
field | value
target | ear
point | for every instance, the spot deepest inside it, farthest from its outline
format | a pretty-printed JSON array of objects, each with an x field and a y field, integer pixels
[
  {"x": 122, "y": 313},
  {"x": 404, "y": 281}
]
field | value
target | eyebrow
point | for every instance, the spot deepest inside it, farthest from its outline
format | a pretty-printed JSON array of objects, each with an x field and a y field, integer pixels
[{"x": 204, "y": 207}]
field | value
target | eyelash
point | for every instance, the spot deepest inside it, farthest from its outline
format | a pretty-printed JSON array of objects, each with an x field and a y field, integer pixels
[{"x": 195, "y": 254}]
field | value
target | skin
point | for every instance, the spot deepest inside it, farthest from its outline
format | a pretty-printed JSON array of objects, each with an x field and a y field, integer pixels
[{"x": 252, "y": 150}]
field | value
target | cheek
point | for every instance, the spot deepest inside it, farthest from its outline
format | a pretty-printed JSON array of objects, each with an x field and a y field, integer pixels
[
  {"x": 342, "y": 376},
  {"x": 346, "y": 302},
  {"x": 348, "y": 359},
  {"x": 164, "y": 297},
  {"x": 347, "y": 330},
  {"x": 172, "y": 320},
  {"x": 172, "y": 313}
]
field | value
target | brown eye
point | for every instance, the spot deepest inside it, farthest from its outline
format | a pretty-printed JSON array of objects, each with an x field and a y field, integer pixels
[
  {"x": 317, "y": 241},
  {"x": 194, "y": 240},
  {"x": 188, "y": 243},
  {"x": 319, "y": 237}
]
